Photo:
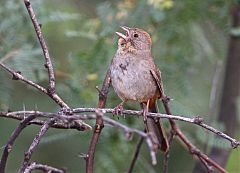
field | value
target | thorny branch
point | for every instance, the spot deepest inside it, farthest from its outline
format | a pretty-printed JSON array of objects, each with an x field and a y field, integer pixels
[
  {"x": 136, "y": 154},
  {"x": 48, "y": 62},
  {"x": 51, "y": 90},
  {"x": 44, "y": 168},
  {"x": 196, "y": 120},
  {"x": 9, "y": 145},
  {"x": 32, "y": 147},
  {"x": 167, "y": 154},
  {"x": 99, "y": 124},
  {"x": 192, "y": 148}
]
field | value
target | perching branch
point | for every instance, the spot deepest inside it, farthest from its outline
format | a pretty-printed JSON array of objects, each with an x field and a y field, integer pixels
[
  {"x": 193, "y": 150},
  {"x": 191, "y": 147},
  {"x": 99, "y": 124},
  {"x": 196, "y": 120}
]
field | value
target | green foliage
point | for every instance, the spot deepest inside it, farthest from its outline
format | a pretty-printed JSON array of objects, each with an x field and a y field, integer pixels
[{"x": 19, "y": 47}]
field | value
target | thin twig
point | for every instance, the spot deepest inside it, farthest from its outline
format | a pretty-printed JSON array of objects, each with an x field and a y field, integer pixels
[
  {"x": 57, "y": 124},
  {"x": 32, "y": 147},
  {"x": 48, "y": 64},
  {"x": 16, "y": 75},
  {"x": 136, "y": 153},
  {"x": 10, "y": 142},
  {"x": 207, "y": 166},
  {"x": 167, "y": 154},
  {"x": 44, "y": 168},
  {"x": 98, "y": 125},
  {"x": 192, "y": 148}
]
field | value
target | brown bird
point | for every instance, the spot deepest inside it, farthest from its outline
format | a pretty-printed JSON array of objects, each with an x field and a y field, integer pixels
[{"x": 135, "y": 77}]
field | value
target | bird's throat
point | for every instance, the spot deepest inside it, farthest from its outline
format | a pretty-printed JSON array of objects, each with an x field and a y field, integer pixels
[{"x": 127, "y": 48}]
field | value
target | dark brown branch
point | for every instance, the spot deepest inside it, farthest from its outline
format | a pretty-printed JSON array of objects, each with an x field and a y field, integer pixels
[
  {"x": 228, "y": 113},
  {"x": 32, "y": 147},
  {"x": 207, "y": 166},
  {"x": 48, "y": 62},
  {"x": 44, "y": 168},
  {"x": 99, "y": 124},
  {"x": 167, "y": 154},
  {"x": 196, "y": 120},
  {"x": 10, "y": 142},
  {"x": 193, "y": 149},
  {"x": 136, "y": 153},
  {"x": 16, "y": 75}
]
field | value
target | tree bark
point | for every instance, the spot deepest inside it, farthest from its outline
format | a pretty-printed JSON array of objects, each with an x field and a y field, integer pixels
[{"x": 230, "y": 93}]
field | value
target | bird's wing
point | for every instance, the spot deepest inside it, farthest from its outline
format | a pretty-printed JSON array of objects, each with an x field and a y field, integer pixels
[{"x": 157, "y": 77}]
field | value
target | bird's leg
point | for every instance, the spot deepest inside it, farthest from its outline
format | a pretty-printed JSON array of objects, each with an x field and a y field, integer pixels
[
  {"x": 119, "y": 108},
  {"x": 145, "y": 106}
]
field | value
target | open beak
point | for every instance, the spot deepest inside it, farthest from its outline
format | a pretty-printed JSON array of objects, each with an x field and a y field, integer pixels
[{"x": 126, "y": 37}]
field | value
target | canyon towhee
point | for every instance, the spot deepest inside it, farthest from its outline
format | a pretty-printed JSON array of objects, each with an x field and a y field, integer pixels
[{"x": 135, "y": 77}]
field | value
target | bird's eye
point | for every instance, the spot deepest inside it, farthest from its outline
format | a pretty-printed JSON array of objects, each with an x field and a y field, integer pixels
[{"x": 135, "y": 35}]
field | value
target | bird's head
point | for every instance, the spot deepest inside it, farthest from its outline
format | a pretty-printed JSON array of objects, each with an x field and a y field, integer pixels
[{"x": 136, "y": 38}]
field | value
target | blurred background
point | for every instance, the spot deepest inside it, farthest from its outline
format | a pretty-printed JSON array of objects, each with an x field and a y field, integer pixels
[{"x": 190, "y": 46}]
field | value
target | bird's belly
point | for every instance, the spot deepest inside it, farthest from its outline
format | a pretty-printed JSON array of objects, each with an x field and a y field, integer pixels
[{"x": 133, "y": 83}]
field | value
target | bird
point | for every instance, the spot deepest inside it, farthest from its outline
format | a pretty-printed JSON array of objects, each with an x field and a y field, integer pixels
[{"x": 135, "y": 77}]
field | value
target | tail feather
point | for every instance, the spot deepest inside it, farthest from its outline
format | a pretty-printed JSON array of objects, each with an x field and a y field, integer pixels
[{"x": 155, "y": 128}]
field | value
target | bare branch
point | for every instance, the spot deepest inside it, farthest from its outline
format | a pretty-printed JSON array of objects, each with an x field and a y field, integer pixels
[
  {"x": 45, "y": 168},
  {"x": 136, "y": 153},
  {"x": 48, "y": 65},
  {"x": 15, "y": 134},
  {"x": 32, "y": 147},
  {"x": 192, "y": 148},
  {"x": 197, "y": 120},
  {"x": 16, "y": 75},
  {"x": 167, "y": 154},
  {"x": 57, "y": 124},
  {"x": 99, "y": 123}
]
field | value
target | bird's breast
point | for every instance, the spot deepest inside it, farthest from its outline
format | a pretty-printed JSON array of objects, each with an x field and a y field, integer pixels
[{"x": 131, "y": 79}]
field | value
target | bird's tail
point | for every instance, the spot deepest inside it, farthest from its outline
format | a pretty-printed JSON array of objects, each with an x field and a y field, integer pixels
[{"x": 155, "y": 128}]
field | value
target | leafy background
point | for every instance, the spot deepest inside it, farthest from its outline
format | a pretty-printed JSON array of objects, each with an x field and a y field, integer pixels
[{"x": 189, "y": 46}]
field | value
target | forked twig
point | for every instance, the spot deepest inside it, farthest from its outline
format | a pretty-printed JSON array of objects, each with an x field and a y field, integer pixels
[
  {"x": 10, "y": 142},
  {"x": 32, "y": 147},
  {"x": 44, "y": 168},
  {"x": 98, "y": 125},
  {"x": 48, "y": 62}
]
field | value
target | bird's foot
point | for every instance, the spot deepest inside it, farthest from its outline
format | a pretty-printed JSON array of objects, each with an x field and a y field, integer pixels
[
  {"x": 118, "y": 110},
  {"x": 144, "y": 112}
]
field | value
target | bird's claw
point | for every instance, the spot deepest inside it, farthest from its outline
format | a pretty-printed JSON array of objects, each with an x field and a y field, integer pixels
[
  {"x": 118, "y": 109},
  {"x": 144, "y": 112}
]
